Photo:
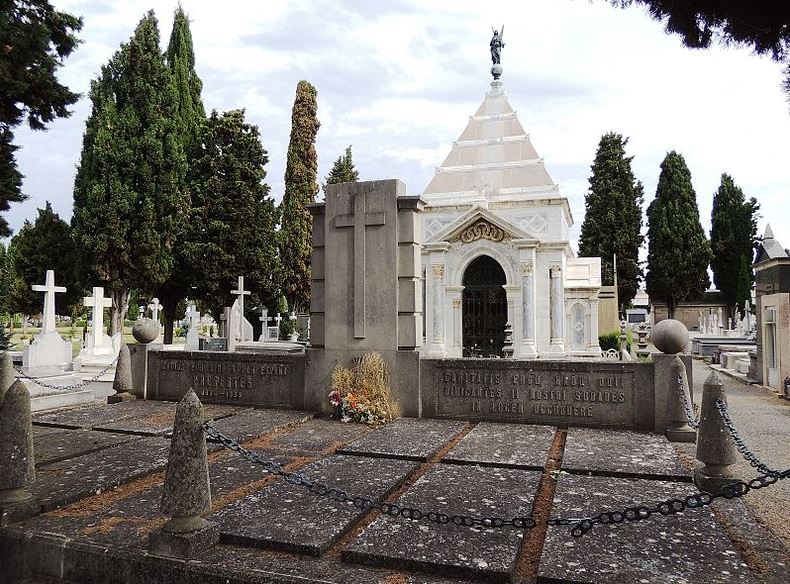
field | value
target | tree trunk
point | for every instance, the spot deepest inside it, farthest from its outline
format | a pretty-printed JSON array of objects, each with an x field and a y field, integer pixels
[
  {"x": 120, "y": 304},
  {"x": 671, "y": 308},
  {"x": 169, "y": 316}
]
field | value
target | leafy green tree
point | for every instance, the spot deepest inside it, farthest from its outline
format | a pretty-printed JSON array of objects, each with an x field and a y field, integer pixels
[
  {"x": 7, "y": 277},
  {"x": 342, "y": 170},
  {"x": 40, "y": 246},
  {"x": 762, "y": 25},
  {"x": 34, "y": 41},
  {"x": 743, "y": 290},
  {"x": 128, "y": 201},
  {"x": 190, "y": 118},
  {"x": 613, "y": 217},
  {"x": 232, "y": 213},
  {"x": 678, "y": 251},
  {"x": 733, "y": 235},
  {"x": 300, "y": 190}
]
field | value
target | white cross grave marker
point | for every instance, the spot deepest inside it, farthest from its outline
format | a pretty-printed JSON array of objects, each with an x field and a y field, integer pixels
[
  {"x": 241, "y": 293},
  {"x": 142, "y": 312},
  {"x": 97, "y": 303},
  {"x": 49, "y": 289},
  {"x": 193, "y": 315},
  {"x": 155, "y": 307}
]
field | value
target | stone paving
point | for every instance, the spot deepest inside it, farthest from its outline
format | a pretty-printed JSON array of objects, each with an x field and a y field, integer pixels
[{"x": 101, "y": 488}]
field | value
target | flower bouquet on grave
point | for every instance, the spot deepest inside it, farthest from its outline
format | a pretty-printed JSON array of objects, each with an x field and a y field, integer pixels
[{"x": 362, "y": 393}]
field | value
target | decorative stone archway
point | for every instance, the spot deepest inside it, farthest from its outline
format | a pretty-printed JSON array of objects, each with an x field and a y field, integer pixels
[{"x": 484, "y": 307}]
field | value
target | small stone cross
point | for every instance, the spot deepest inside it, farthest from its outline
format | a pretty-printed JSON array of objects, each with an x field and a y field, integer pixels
[
  {"x": 49, "y": 289},
  {"x": 264, "y": 318},
  {"x": 359, "y": 220},
  {"x": 193, "y": 315},
  {"x": 97, "y": 303},
  {"x": 155, "y": 307}
]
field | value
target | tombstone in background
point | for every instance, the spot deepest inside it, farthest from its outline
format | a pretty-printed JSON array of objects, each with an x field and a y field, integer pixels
[
  {"x": 48, "y": 354},
  {"x": 243, "y": 331},
  {"x": 154, "y": 306},
  {"x": 99, "y": 348},
  {"x": 193, "y": 338},
  {"x": 365, "y": 296}
]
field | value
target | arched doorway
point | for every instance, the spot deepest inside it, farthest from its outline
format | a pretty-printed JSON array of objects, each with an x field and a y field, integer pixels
[{"x": 484, "y": 308}]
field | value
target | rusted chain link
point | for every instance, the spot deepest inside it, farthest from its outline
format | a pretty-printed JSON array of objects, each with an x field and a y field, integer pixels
[
  {"x": 681, "y": 391},
  {"x": 84, "y": 383}
]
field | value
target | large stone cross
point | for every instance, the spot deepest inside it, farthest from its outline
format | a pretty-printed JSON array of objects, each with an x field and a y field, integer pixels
[
  {"x": 97, "y": 303},
  {"x": 241, "y": 293},
  {"x": 359, "y": 219},
  {"x": 49, "y": 289},
  {"x": 155, "y": 307},
  {"x": 193, "y": 315}
]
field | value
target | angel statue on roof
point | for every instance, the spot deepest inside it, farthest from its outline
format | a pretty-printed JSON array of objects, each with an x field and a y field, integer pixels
[{"x": 497, "y": 45}]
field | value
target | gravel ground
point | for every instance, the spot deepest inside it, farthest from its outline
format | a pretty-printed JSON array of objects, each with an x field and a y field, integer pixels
[{"x": 763, "y": 420}]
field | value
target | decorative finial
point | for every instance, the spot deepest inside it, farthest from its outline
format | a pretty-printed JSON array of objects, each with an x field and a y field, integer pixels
[{"x": 497, "y": 44}]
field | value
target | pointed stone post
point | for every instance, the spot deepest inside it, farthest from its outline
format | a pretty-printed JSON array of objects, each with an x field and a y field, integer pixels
[
  {"x": 17, "y": 465},
  {"x": 6, "y": 373},
  {"x": 122, "y": 384},
  {"x": 715, "y": 448},
  {"x": 671, "y": 383},
  {"x": 187, "y": 493}
]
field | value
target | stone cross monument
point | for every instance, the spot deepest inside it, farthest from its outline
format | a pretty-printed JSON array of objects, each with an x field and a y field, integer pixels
[
  {"x": 49, "y": 354},
  {"x": 97, "y": 303},
  {"x": 49, "y": 289}
]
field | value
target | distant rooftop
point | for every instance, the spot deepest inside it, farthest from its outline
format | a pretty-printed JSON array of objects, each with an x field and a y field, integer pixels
[{"x": 769, "y": 248}]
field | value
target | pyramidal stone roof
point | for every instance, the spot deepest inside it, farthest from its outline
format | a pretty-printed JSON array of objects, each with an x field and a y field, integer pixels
[{"x": 493, "y": 160}]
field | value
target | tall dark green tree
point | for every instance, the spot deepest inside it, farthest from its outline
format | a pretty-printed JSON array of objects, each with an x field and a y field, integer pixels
[
  {"x": 44, "y": 245},
  {"x": 300, "y": 190},
  {"x": 128, "y": 199},
  {"x": 233, "y": 213},
  {"x": 678, "y": 251},
  {"x": 343, "y": 170},
  {"x": 7, "y": 277},
  {"x": 733, "y": 235},
  {"x": 613, "y": 217},
  {"x": 190, "y": 118},
  {"x": 34, "y": 41}
]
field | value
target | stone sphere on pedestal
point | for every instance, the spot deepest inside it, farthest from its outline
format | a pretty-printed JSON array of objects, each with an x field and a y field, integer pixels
[
  {"x": 145, "y": 330},
  {"x": 496, "y": 70},
  {"x": 670, "y": 336}
]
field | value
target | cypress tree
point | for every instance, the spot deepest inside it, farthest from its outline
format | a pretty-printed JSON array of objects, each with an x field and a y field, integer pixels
[
  {"x": 613, "y": 217},
  {"x": 678, "y": 251},
  {"x": 300, "y": 190},
  {"x": 190, "y": 117},
  {"x": 343, "y": 170},
  {"x": 127, "y": 192},
  {"x": 233, "y": 213},
  {"x": 6, "y": 280},
  {"x": 733, "y": 236}
]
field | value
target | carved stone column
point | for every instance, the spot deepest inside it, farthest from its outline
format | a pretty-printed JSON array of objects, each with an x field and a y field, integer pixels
[
  {"x": 528, "y": 347},
  {"x": 557, "y": 290},
  {"x": 437, "y": 334}
]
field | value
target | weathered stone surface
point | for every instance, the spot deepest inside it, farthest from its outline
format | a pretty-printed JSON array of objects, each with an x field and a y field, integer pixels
[
  {"x": 188, "y": 545},
  {"x": 506, "y": 445},
  {"x": 187, "y": 491},
  {"x": 61, "y": 444},
  {"x": 6, "y": 373},
  {"x": 621, "y": 453},
  {"x": 17, "y": 467},
  {"x": 670, "y": 336},
  {"x": 405, "y": 438},
  {"x": 122, "y": 383},
  {"x": 92, "y": 417},
  {"x": 690, "y": 548},
  {"x": 160, "y": 421},
  {"x": 64, "y": 482},
  {"x": 577, "y": 393},
  {"x": 252, "y": 379},
  {"x": 451, "y": 489},
  {"x": 318, "y": 435},
  {"x": 145, "y": 330},
  {"x": 289, "y": 517},
  {"x": 255, "y": 423},
  {"x": 715, "y": 448}
]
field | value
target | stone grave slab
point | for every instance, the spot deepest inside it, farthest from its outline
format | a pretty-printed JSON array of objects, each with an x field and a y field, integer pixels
[
  {"x": 160, "y": 421},
  {"x": 254, "y": 423},
  {"x": 621, "y": 453},
  {"x": 64, "y": 482},
  {"x": 288, "y": 517},
  {"x": 488, "y": 554},
  {"x": 506, "y": 445},
  {"x": 406, "y": 438},
  {"x": 62, "y": 444},
  {"x": 316, "y": 436},
  {"x": 690, "y": 548},
  {"x": 89, "y": 418}
]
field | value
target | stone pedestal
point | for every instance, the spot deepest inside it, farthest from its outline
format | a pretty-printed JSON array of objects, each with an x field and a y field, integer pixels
[
  {"x": 666, "y": 398},
  {"x": 17, "y": 465},
  {"x": 715, "y": 448}
]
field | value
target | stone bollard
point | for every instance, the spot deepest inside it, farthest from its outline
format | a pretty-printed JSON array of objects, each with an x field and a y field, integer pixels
[
  {"x": 678, "y": 429},
  {"x": 6, "y": 373},
  {"x": 715, "y": 448},
  {"x": 17, "y": 465},
  {"x": 122, "y": 384},
  {"x": 187, "y": 492}
]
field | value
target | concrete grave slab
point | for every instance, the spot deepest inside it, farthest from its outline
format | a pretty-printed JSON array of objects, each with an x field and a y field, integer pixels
[
  {"x": 690, "y": 548},
  {"x": 505, "y": 445},
  {"x": 62, "y": 444},
  {"x": 621, "y": 453},
  {"x": 406, "y": 438},
  {"x": 315, "y": 436},
  {"x": 288, "y": 517},
  {"x": 252, "y": 424},
  {"x": 160, "y": 421},
  {"x": 490, "y": 554},
  {"x": 64, "y": 482},
  {"x": 88, "y": 418}
]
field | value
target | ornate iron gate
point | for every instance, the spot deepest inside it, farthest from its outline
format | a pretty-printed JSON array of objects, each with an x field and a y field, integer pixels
[{"x": 484, "y": 308}]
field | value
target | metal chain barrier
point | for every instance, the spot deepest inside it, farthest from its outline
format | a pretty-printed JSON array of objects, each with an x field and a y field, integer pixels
[
  {"x": 80, "y": 385},
  {"x": 361, "y": 502},
  {"x": 740, "y": 443},
  {"x": 690, "y": 417}
]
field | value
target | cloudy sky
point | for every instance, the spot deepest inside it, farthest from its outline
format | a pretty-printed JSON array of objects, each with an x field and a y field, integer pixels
[{"x": 397, "y": 79}]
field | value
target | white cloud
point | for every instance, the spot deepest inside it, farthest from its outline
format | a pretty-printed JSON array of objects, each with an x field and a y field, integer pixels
[{"x": 399, "y": 79}]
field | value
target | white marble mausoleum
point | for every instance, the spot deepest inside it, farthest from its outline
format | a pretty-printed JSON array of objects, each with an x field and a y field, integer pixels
[{"x": 496, "y": 250}]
